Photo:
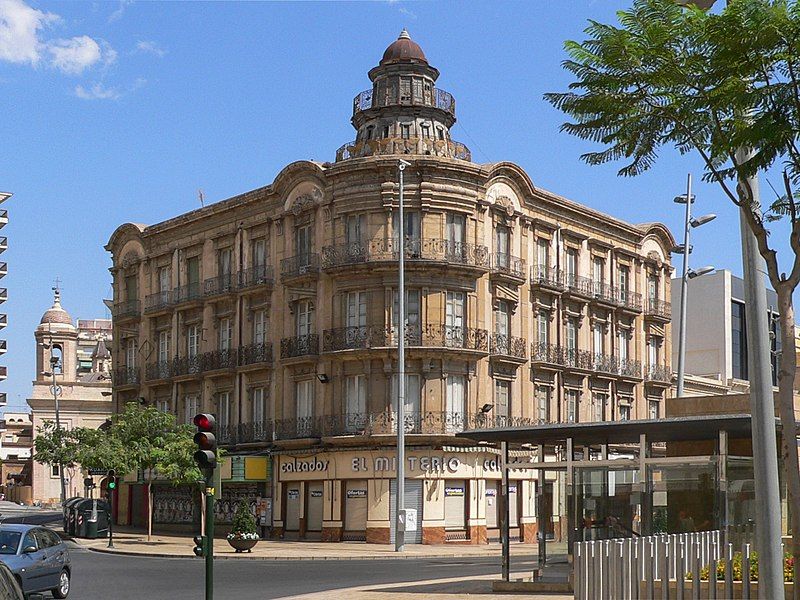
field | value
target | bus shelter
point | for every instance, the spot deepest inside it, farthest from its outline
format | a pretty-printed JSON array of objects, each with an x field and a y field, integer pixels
[{"x": 631, "y": 478}]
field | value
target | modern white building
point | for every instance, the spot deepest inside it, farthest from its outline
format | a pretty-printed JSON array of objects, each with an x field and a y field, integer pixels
[{"x": 716, "y": 333}]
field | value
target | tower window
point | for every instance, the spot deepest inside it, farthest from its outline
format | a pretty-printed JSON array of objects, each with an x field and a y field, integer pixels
[
  {"x": 440, "y": 133},
  {"x": 386, "y": 131},
  {"x": 405, "y": 131},
  {"x": 369, "y": 132},
  {"x": 426, "y": 130}
]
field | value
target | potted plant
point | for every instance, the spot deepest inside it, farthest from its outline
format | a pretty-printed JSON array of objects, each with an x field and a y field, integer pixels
[{"x": 243, "y": 535}]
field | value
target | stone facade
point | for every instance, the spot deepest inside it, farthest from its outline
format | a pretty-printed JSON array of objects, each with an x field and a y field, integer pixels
[{"x": 276, "y": 309}]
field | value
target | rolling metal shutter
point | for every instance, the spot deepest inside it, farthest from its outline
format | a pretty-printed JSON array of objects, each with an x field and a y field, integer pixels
[
  {"x": 292, "y": 507},
  {"x": 455, "y": 499},
  {"x": 492, "y": 522},
  {"x": 314, "y": 506},
  {"x": 413, "y": 500},
  {"x": 355, "y": 508}
]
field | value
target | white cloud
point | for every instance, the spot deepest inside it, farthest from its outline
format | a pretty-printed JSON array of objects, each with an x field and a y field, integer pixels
[
  {"x": 75, "y": 55},
  {"x": 403, "y": 10},
  {"x": 150, "y": 47},
  {"x": 117, "y": 14},
  {"x": 19, "y": 32},
  {"x": 97, "y": 91}
]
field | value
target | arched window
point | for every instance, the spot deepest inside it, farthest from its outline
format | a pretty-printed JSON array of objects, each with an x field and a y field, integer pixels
[{"x": 57, "y": 359}]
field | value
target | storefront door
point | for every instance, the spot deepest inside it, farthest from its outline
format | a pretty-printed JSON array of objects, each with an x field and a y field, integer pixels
[
  {"x": 413, "y": 499},
  {"x": 455, "y": 502},
  {"x": 314, "y": 506},
  {"x": 355, "y": 506},
  {"x": 292, "y": 503},
  {"x": 492, "y": 521}
]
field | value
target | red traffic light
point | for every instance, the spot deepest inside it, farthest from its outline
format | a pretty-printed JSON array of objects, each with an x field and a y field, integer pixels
[{"x": 205, "y": 422}]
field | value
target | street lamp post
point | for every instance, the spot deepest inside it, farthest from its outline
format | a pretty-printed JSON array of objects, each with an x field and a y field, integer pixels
[
  {"x": 686, "y": 249},
  {"x": 56, "y": 389},
  {"x": 400, "y": 505}
]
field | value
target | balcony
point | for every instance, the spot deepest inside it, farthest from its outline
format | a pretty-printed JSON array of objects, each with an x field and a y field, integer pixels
[
  {"x": 255, "y": 354},
  {"x": 438, "y": 99},
  {"x": 3, "y": 399},
  {"x": 159, "y": 370},
  {"x": 365, "y": 425},
  {"x": 603, "y": 293},
  {"x": 3, "y": 269},
  {"x": 122, "y": 376},
  {"x": 404, "y": 146},
  {"x": 509, "y": 268},
  {"x": 660, "y": 375},
  {"x": 219, "y": 359},
  {"x": 549, "y": 278},
  {"x": 256, "y": 276},
  {"x": 158, "y": 301},
  {"x": 126, "y": 310},
  {"x": 3, "y": 244},
  {"x": 302, "y": 265},
  {"x": 3, "y": 346},
  {"x": 630, "y": 368},
  {"x": 219, "y": 285},
  {"x": 625, "y": 299},
  {"x": 508, "y": 347},
  {"x": 190, "y": 292},
  {"x": 301, "y": 345},
  {"x": 429, "y": 250},
  {"x": 3, "y": 295},
  {"x": 3, "y": 321},
  {"x": 658, "y": 310},
  {"x": 577, "y": 286},
  {"x": 429, "y": 336},
  {"x": 543, "y": 354},
  {"x": 187, "y": 365},
  {"x": 3, "y": 218}
]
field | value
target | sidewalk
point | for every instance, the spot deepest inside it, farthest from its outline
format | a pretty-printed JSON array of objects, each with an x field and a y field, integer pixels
[{"x": 177, "y": 546}]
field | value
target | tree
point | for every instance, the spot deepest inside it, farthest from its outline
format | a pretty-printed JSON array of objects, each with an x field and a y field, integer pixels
[
  {"x": 710, "y": 84},
  {"x": 56, "y": 446},
  {"x": 156, "y": 445}
]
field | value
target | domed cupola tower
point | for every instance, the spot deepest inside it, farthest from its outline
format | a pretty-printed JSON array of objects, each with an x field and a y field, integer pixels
[
  {"x": 404, "y": 112},
  {"x": 56, "y": 338}
]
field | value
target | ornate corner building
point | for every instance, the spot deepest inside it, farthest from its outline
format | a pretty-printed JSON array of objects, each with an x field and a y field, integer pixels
[
  {"x": 277, "y": 310},
  {"x": 3, "y": 292}
]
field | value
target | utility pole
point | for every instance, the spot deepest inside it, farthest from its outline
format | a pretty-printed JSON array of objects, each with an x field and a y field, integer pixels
[
  {"x": 56, "y": 389},
  {"x": 400, "y": 501},
  {"x": 762, "y": 405},
  {"x": 684, "y": 288}
]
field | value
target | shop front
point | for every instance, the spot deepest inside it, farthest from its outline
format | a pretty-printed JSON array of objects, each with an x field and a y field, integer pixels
[{"x": 348, "y": 495}]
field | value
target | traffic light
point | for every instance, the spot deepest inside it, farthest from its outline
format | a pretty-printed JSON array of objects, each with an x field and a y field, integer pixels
[
  {"x": 111, "y": 481},
  {"x": 206, "y": 454},
  {"x": 199, "y": 545}
]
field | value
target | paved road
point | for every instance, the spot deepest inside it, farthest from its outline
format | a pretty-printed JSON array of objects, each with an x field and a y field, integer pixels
[
  {"x": 11, "y": 512},
  {"x": 102, "y": 576}
]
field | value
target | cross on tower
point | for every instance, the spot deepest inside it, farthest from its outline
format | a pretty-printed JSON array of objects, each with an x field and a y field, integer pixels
[{"x": 57, "y": 286}]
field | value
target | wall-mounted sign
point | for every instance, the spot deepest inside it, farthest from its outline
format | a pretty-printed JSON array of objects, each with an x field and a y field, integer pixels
[
  {"x": 491, "y": 493},
  {"x": 316, "y": 493},
  {"x": 356, "y": 493},
  {"x": 453, "y": 491},
  {"x": 293, "y": 494},
  {"x": 303, "y": 465}
]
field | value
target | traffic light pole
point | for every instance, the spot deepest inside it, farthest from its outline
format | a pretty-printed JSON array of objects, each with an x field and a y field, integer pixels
[
  {"x": 111, "y": 518},
  {"x": 209, "y": 533}
]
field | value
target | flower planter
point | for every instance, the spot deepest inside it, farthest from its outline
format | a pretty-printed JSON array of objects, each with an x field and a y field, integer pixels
[{"x": 241, "y": 545}]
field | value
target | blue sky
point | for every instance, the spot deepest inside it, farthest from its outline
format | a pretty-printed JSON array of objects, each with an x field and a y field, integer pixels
[{"x": 121, "y": 111}]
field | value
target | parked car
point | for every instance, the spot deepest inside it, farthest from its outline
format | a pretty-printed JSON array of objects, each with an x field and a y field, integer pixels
[
  {"x": 9, "y": 586},
  {"x": 37, "y": 557}
]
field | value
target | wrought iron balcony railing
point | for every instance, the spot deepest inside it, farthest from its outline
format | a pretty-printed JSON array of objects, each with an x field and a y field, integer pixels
[
  {"x": 603, "y": 291},
  {"x": 220, "y": 359},
  {"x": 547, "y": 277},
  {"x": 366, "y": 424},
  {"x": 507, "y": 264},
  {"x": 578, "y": 359},
  {"x": 542, "y": 352},
  {"x": 438, "y": 99},
  {"x": 658, "y": 373},
  {"x": 508, "y": 345},
  {"x": 126, "y": 376},
  {"x": 158, "y": 301},
  {"x": 159, "y": 370},
  {"x": 400, "y": 145},
  {"x": 259, "y": 275},
  {"x": 188, "y": 365},
  {"x": 188, "y": 292},
  {"x": 126, "y": 309},
  {"x": 301, "y": 345},
  {"x": 576, "y": 284},
  {"x": 632, "y": 300},
  {"x": 255, "y": 354},
  {"x": 299, "y": 265},
  {"x": 658, "y": 308},
  {"x": 221, "y": 284},
  {"x": 630, "y": 368},
  {"x": 430, "y": 335},
  {"x": 414, "y": 249}
]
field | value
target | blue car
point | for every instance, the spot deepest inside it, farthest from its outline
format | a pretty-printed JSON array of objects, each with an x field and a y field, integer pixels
[{"x": 38, "y": 558}]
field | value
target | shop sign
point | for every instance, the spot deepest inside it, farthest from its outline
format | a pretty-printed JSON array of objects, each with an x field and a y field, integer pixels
[
  {"x": 454, "y": 491},
  {"x": 310, "y": 465},
  {"x": 426, "y": 464},
  {"x": 293, "y": 494},
  {"x": 494, "y": 464},
  {"x": 491, "y": 493},
  {"x": 316, "y": 493},
  {"x": 356, "y": 493}
]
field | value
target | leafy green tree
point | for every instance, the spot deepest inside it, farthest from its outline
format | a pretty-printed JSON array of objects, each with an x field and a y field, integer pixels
[
  {"x": 155, "y": 444},
  {"x": 244, "y": 523},
  {"x": 98, "y": 449},
  {"x": 56, "y": 446},
  {"x": 710, "y": 84}
]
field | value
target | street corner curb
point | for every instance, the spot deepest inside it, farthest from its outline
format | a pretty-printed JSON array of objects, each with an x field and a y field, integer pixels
[{"x": 280, "y": 558}]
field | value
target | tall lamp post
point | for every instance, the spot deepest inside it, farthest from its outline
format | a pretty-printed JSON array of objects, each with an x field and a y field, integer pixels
[
  {"x": 56, "y": 391},
  {"x": 686, "y": 249},
  {"x": 400, "y": 504}
]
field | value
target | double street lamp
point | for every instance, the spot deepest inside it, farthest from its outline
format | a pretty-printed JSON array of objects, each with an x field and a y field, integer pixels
[
  {"x": 686, "y": 249},
  {"x": 56, "y": 391}
]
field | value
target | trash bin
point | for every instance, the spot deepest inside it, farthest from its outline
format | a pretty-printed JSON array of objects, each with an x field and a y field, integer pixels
[
  {"x": 90, "y": 523},
  {"x": 71, "y": 515},
  {"x": 66, "y": 510}
]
